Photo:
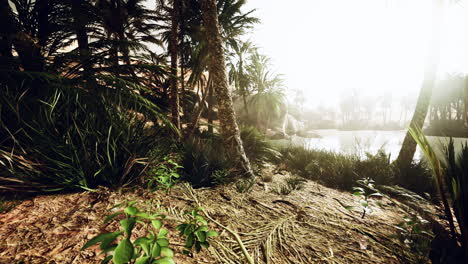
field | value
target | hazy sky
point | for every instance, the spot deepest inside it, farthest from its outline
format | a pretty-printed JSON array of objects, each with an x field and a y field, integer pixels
[{"x": 330, "y": 47}]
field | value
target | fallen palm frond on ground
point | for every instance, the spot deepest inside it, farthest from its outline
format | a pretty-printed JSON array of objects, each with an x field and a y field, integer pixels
[{"x": 307, "y": 226}]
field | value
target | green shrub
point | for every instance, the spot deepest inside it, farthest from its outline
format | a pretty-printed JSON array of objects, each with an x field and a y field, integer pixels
[
  {"x": 202, "y": 156},
  {"x": 196, "y": 231},
  {"x": 164, "y": 175},
  {"x": 150, "y": 248},
  {"x": 456, "y": 182}
]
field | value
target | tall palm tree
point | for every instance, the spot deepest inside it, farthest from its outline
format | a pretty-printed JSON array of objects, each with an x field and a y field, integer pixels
[
  {"x": 408, "y": 147},
  {"x": 173, "y": 50},
  {"x": 217, "y": 70}
]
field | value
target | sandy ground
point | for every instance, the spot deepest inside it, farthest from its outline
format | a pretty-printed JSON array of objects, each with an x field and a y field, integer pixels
[{"x": 306, "y": 226}]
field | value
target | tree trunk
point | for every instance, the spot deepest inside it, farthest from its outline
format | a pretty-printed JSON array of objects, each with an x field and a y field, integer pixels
[
  {"x": 173, "y": 50},
  {"x": 408, "y": 148},
  {"x": 217, "y": 69},
  {"x": 7, "y": 32},
  {"x": 465, "y": 103},
  {"x": 80, "y": 21},
  {"x": 210, "y": 108}
]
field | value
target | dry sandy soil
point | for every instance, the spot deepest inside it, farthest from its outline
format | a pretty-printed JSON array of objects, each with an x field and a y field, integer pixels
[{"x": 306, "y": 226}]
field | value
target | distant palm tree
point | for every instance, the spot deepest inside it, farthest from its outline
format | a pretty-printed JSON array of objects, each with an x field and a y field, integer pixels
[
  {"x": 408, "y": 147},
  {"x": 217, "y": 70},
  {"x": 268, "y": 105},
  {"x": 268, "y": 97},
  {"x": 238, "y": 68}
]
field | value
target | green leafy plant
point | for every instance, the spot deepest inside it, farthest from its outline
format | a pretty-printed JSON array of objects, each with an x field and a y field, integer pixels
[
  {"x": 196, "y": 231},
  {"x": 152, "y": 248},
  {"x": 220, "y": 176},
  {"x": 415, "y": 232},
  {"x": 365, "y": 192},
  {"x": 165, "y": 175}
]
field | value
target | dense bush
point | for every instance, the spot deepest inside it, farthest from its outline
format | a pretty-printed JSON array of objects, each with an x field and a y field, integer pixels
[
  {"x": 202, "y": 157},
  {"x": 70, "y": 136},
  {"x": 206, "y": 163}
]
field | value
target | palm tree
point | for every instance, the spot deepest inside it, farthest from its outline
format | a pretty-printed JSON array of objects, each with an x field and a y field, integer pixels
[
  {"x": 217, "y": 70},
  {"x": 408, "y": 147},
  {"x": 268, "y": 99},
  {"x": 238, "y": 71},
  {"x": 173, "y": 49}
]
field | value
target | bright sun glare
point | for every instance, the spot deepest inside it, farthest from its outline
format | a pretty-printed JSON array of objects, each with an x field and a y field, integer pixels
[{"x": 328, "y": 48}]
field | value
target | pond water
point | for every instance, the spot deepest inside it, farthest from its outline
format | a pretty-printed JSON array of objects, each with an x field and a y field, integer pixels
[{"x": 366, "y": 141}]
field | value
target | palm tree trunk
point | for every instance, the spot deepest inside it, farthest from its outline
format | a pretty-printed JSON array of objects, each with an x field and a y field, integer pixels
[
  {"x": 217, "y": 69},
  {"x": 82, "y": 36},
  {"x": 408, "y": 148},
  {"x": 174, "y": 52},
  {"x": 210, "y": 108},
  {"x": 465, "y": 103}
]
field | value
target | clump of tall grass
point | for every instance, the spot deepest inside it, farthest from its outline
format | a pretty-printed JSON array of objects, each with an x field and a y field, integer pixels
[
  {"x": 206, "y": 163},
  {"x": 341, "y": 171},
  {"x": 203, "y": 156},
  {"x": 256, "y": 147},
  {"x": 71, "y": 136}
]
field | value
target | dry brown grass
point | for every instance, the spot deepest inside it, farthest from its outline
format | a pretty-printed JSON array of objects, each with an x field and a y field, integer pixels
[{"x": 307, "y": 226}]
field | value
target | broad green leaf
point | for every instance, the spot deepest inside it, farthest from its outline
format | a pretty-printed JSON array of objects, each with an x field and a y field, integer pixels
[
  {"x": 212, "y": 234},
  {"x": 202, "y": 228},
  {"x": 128, "y": 224},
  {"x": 165, "y": 260},
  {"x": 131, "y": 210},
  {"x": 181, "y": 227},
  {"x": 156, "y": 252},
  {"x": 143, "y": 260},
  {"x": 162, "y": 233},
  {"x": 144, "y": 243},
  {"x": 123, "y": 253},
  {"x": 201, "y": 235},
  {"x": 156, "y": 223},
  {"x": 359, "y": 194},
  {"x": 105, "y": 239},
  {"x": 163, "y": 242},
  {"x": 167, "y": 252},
  {"x": 189, "y": 241},
  {"x": 188, "y": 229},
  {"x": 364, "y": 203}
]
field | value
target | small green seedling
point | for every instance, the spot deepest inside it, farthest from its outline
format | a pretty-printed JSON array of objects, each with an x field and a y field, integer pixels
[
  {"x": 164, "y": 176},
  {"x": 150, "y": 249},
  {"x": 196, "y": 231},
  {"x": 367, "y": 191}
]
